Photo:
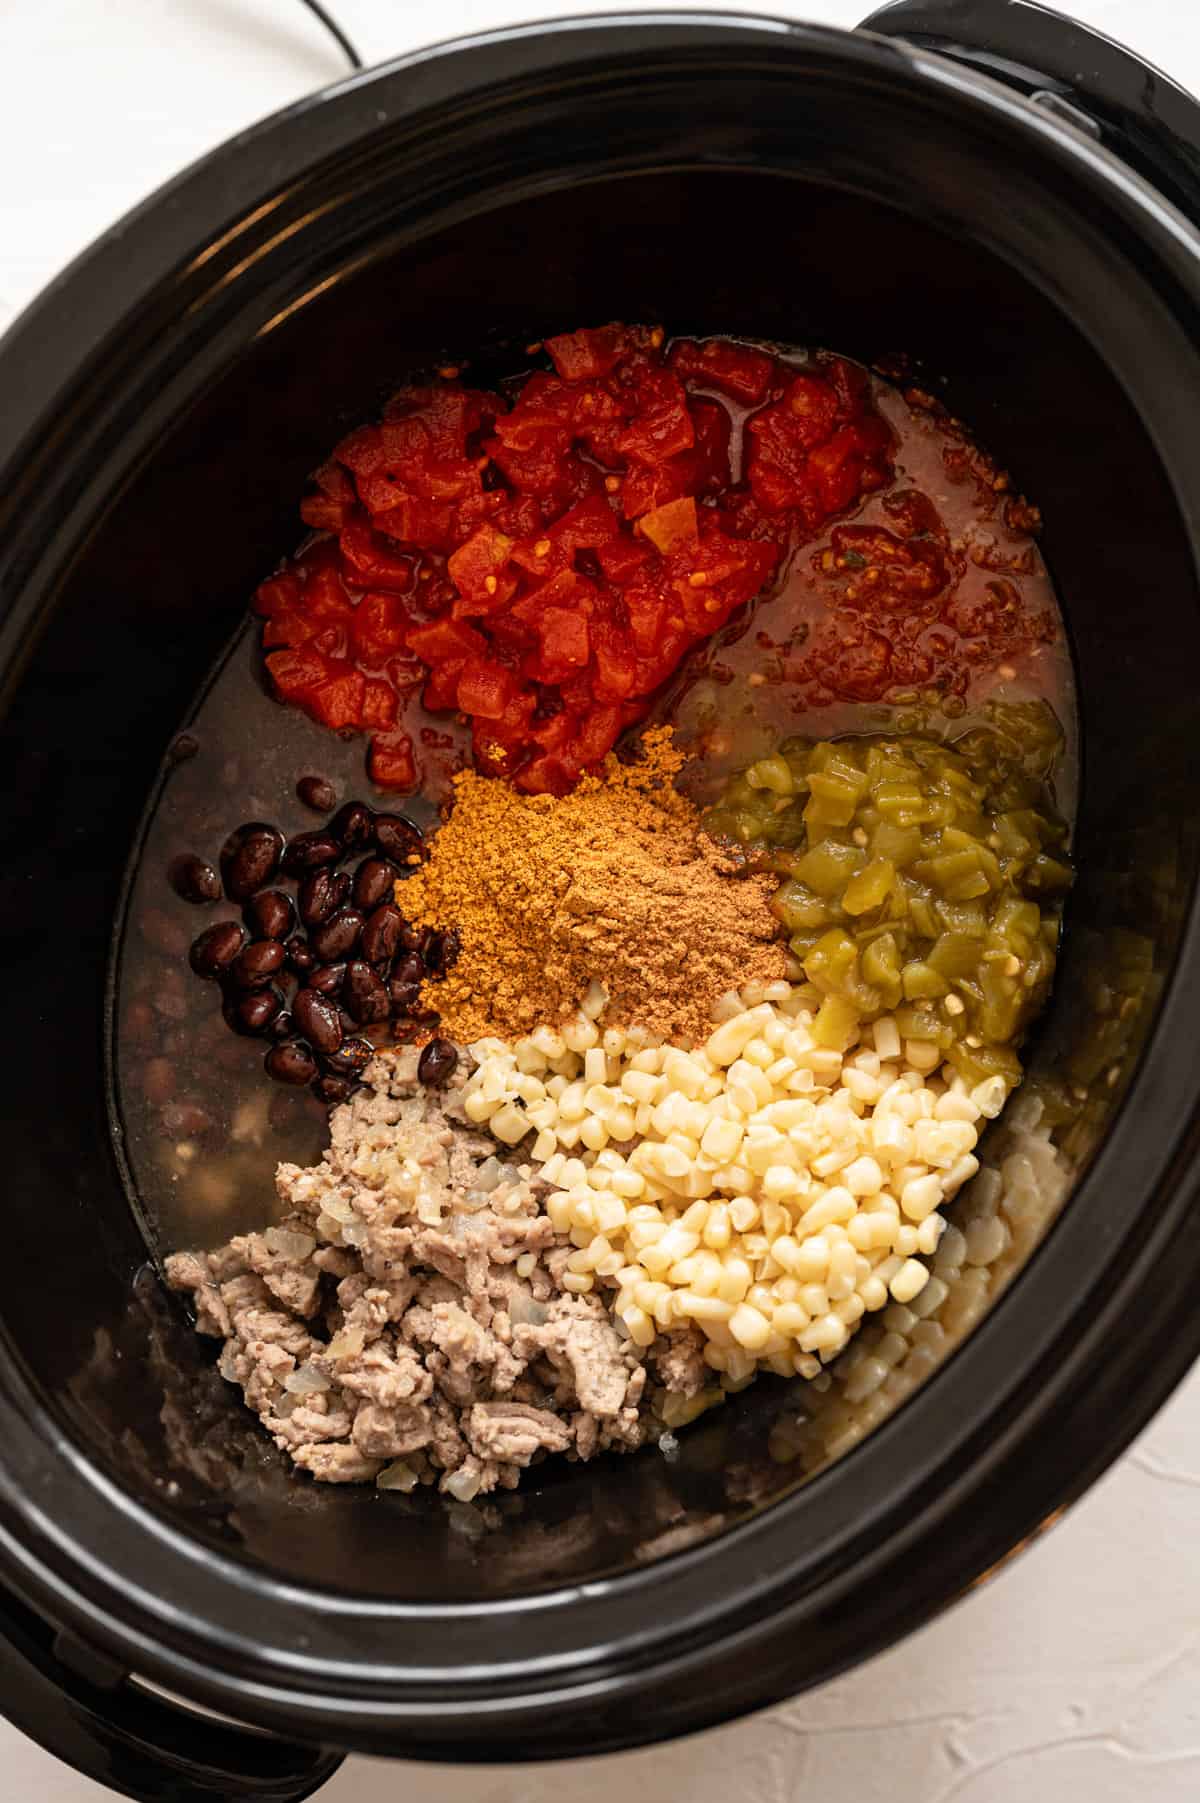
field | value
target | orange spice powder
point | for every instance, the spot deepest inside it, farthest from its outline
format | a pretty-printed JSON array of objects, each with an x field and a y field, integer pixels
[{"x": 615, "y": 882}]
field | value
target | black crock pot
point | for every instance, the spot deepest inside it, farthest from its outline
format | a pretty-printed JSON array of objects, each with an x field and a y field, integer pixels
[{"x": 1002, "y": 194}]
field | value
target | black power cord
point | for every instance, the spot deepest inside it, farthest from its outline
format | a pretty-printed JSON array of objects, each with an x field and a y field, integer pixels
[{"x": 335, "y": 31}]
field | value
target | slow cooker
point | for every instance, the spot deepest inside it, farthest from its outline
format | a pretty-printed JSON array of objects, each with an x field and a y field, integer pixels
[{"x": 1009, "y": 199}]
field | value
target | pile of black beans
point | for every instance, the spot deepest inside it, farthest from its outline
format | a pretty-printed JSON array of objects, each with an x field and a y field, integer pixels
[{"x": 322, "y": 956}]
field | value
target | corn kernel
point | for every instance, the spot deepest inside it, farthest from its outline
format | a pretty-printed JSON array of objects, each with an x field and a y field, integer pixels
[
  {"x": 749, "y": 1327},
  {"x": 909, "y": 1280}
]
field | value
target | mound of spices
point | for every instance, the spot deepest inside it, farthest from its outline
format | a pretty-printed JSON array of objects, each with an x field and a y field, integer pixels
[{"x": 613, "y": 884}]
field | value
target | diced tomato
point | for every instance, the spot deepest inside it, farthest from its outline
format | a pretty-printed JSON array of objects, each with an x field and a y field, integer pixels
[
  {"x": 370, "y": 562},
  {"x": 663, "y": 426},
  {"x": 837, "y": 467},
  {"x": 546, "y": 409},
  {"x": 584, "y": 527},
  {"x": 485, "y": 689},
  {"x": 362, "y": 451},
  {"x": 479, "y": 571},
  {"x": 598, "y": 734},
  {"x": 778, "y": 445},
  {"x": 563, "y": 643},
  {"x": 445, "y": 639},
  {"x": 584, "y": 356},
  {"x": 442, "y": 417},
  {"x": 655, "y": 668},
  {"x": 413, "y": 521},
  {"x": 324, "y": 594},
  {"x": 288, "y": 628},
  {"x": 621, "y": 556},
  {"x": 441, "y": 689},
  {"x": 712, "y": 426},
  {"x": 331, "y": 638},
  {"x": 616, "y": 660},
  {"x": 567, "y": 589},
  {"x": 324, "y": 514},
  {"x": 650, "y": 485},
  {"x": 405, "y": 673},
  {"x": 733, "y": 572},
  {"x": 548, "y": 775},
  {"x": 333, "y": 505},
  {"x": 671, "y": 527},
  {"x": 296, "y": 673},
  {"x": 811, "y": 410},
  {"x": 735, "y": 369},
  {"x": 337, "y": 702},
  {"x": 379, "y": 628},
  {"x": 849, "y": 382},
  {"x": 379, "y": 704},
  {"x": 277, "y": 594},
  {"x": 391, "y": 764},
  {"x": 518, "y": 515}
]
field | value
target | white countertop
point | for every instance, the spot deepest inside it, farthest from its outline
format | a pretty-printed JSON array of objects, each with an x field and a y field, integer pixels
[{"x": 1073, "y": 1678}]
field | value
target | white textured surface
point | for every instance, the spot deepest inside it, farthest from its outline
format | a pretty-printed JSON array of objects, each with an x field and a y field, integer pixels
[{"x": 1075, "y": 1678}]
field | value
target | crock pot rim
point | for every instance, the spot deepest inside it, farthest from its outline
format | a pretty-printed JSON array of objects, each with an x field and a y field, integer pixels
[{"x": 276, "y": 1685}]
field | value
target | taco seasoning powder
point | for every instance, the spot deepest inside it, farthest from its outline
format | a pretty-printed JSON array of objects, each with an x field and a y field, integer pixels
[{"x": 615, "y": 882}]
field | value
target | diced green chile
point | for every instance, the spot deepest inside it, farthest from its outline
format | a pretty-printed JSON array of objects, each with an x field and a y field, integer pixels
[{"x": 921, "y": 878}]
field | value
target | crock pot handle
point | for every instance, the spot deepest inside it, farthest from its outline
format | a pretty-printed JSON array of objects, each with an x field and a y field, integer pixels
[
  {"x": 1078, "y": 74},
  {"x": 81, "y": 1708}
]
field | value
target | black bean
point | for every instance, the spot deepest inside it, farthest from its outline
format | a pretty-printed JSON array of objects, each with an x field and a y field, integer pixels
[
  {"x": 383, "y": 934},
  {"x": 374, "y": 882},
  {"x": 322, "y": 893},
  {"x": 442, "y": 951},
  {"x": 351, "y": 1057},
  {"x": 437, "y": 1063},
  {"x": 282, "y": 1027},
  {"x": 216, "y": 948},
  {"x": 307, "y": 851},
  {"x": 399, "y": 839},
  {"x": 249, "y": 859},
  {"x": 352, "y": 825},
  {"x": 300, "y": 955},
  {"x": 404, "y": 996},
  {"x": 318, "y": 1020},
  {"x": 334, "y": 1089},
  {"x": 317, "y": 793},
  {"x": 409, "y": 969},
  {"x": 336, "y": 937},
  {"x": 270, "y": 915},
  {"x": 366, "y": 997},
  {"x": 290, "y": 1062},
  {"x": 194, "y": 879},
  {"x": 257, "y": 964},
  {"x": 326, "y": 979},
  {"x": 253, "y": 1011}
]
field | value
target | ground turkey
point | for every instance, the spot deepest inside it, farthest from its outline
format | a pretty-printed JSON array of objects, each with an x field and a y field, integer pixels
[{"x": 406, "y": 1316}]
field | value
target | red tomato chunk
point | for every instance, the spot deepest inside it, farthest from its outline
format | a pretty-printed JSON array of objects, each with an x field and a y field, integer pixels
[{"x": 543, "y": 562}]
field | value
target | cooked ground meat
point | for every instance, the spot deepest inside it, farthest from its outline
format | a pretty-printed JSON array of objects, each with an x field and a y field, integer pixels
[{"x": 408, "y": 1313}]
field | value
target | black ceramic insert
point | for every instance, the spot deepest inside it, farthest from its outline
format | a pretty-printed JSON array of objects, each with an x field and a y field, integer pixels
[{"x": 163, "y": 404}]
